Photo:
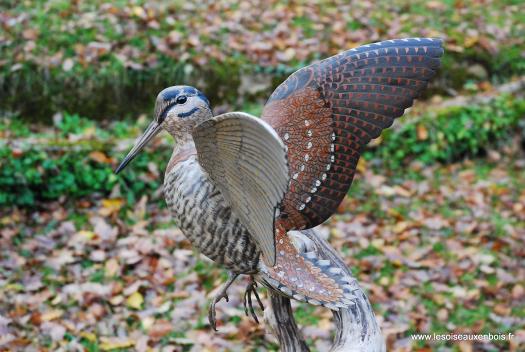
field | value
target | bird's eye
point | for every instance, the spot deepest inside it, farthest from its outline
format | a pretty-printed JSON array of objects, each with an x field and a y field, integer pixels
[{"x": 182, "y": 99}]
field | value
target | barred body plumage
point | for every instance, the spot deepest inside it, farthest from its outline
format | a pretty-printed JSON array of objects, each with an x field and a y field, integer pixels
[{"x": 206, "y": 219}]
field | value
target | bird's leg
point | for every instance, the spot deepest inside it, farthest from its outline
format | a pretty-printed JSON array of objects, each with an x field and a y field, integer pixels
[
  {"x": 252, "y": 288},
  {"x": 222, "y": 294}
]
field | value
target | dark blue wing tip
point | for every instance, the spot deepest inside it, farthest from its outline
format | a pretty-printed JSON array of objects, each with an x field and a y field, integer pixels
[
  {"x": 435, "y": 43},
  {"x": 404, "y": 41}
]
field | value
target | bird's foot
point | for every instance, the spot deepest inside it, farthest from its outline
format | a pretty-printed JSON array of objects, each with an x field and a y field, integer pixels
[
  {"x": 252, "y": 288},
  {"x": 222, "y": 294},
  {"x": 211, "y": 311}
]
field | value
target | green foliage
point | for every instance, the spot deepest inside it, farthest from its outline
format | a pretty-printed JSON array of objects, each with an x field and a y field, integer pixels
[
  {"x": 90, "y": 346},
  {"x": 73, "y": 124},
  {"x": 450, "y": 134},
  {"x": 38, "y": 175},
  {"x": 43, "y": 176},
  {"x": 15, "y": 128},
  {"x": 42, "y": 173},
  {"x": 368, "y": 251},
  {"x": 305, "y": 315}
]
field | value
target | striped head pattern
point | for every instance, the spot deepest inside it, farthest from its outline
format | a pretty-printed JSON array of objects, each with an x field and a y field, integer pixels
[{"x": 179, "y": 109}]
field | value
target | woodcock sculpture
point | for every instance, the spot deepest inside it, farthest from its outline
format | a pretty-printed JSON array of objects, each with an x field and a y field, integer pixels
[{"x": 238, "y": 184}]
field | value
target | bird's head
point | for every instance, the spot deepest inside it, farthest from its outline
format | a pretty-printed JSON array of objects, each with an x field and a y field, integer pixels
[{"x": 178, "y": 110}]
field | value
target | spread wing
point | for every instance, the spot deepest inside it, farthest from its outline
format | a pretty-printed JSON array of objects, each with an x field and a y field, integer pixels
[
  {"x": 246, "y": 160},
  {"x": 327, "y": 112}
]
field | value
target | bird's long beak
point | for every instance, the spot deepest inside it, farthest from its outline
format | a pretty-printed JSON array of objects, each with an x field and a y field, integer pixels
[{"x": 150, "y": 132}]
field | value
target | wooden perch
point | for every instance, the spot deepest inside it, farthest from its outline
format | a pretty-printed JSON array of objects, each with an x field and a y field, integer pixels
[{"x": 356, "y": 327}]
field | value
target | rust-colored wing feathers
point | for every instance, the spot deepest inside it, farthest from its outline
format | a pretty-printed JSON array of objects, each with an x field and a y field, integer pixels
[{"x": 327, "y": 112}]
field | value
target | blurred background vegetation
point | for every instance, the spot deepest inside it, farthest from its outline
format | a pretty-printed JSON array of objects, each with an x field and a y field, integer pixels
[{"x": 78, "y": 80}]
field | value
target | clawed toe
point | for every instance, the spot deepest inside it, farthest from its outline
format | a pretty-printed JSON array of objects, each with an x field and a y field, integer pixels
[
  {"x": 211, "y": 311},
  {"x": 248, "y": 305},
  {"x": 222, "y": 294},
  {"x": 211, "y": 317}
]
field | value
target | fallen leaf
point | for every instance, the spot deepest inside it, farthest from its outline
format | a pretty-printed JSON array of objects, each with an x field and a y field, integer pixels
[
  {"x": 68, "y": 64},
  {"x": 112, "y": 344},
  {"x": 135, "y": 300},
  {"x": 465, "y": 346},
  {"x": 100, "y": 157},
  {"x": 147, "y": 322},
  {"x": 112, "y": 267},
  {"x": 30, "y": 34},
  {"x": 160, "y": 329},
  {"x": 361, "y": 165},
  {"x": 502, "y": 309},
  {"x": 116, "y": 300},
  {"x": 111, "y": 206},
  {"x": 88, "y": 336},
  {"x": 139, "y": 12},
  {"x": 51, "y": 315},
  {"x": 87, "y": 235},
  {"x": 422, "y": 132},
  {"x": 442, "y": 315},
  {"x": 518, "y": 291}
]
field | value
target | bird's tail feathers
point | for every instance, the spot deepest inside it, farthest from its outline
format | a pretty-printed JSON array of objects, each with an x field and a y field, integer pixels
[{"x": 300, "y": 273}]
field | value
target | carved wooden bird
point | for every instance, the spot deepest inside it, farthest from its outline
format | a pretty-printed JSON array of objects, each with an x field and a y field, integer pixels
[{"x": 238, "y": 184}]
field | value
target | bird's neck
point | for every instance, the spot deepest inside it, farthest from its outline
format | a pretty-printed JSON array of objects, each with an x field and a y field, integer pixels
[
  {"x": 184, "y": 148},
  {"x": 182, "y": 135}
]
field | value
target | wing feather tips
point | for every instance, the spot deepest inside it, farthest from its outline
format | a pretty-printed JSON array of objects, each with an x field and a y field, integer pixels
[{"x": 400, "y": 49}]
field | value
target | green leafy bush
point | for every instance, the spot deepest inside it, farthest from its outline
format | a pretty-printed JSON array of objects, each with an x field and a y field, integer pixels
[
  {"x": 450, "y": 134},
  {"x": 42, "y": 175},
  {"x": 73, "y": 169},
  {"x": 73, "y": 124}
]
